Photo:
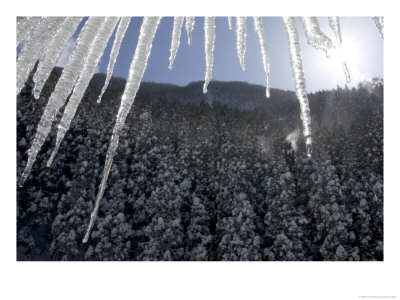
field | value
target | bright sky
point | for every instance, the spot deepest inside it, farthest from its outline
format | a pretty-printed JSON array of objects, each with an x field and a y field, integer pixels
[{"x": 361, "y": 40}]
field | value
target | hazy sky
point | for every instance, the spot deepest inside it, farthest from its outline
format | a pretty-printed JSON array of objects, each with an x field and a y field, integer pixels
[{"x": 361, "y": 39}]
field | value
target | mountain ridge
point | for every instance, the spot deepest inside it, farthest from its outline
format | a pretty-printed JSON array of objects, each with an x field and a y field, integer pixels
[{"x": 234, "y": 94}]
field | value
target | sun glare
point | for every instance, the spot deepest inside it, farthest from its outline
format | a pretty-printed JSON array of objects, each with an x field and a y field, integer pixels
[{"x": 347, "y": 53}]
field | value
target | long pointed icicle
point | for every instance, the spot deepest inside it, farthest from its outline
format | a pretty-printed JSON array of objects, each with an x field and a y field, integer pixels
[
  {"x": 300, "y": 80},
  {"x": 26, "y": 28},
  {"x": 21, "y": 25},
  {"x": 54, "y": 50},
  {"x": 95, "y": 52},
  {"x": 33, "y": 47},
  {"x": 136, "y": 71},
  {"x": 379, "y": 24},
  {"x": 122, "y": 27},
  {"x": 314, "y": 35},
  {"x": 334, "y": 24},
  {"x": 241, "y": 40},
  {"x": 259, "y": 29},
  {"x": 189, "y": 25},
  {"x": 209, "y": 31},
  {"x": 230, "y": 23},
  {"x": 175, "y": 40},
  {"x": 22, "y": 29},
  {"x": 63, "y": 88}
]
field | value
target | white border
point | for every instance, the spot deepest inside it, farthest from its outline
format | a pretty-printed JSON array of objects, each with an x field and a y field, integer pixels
[{"x": 189, "y": 280}]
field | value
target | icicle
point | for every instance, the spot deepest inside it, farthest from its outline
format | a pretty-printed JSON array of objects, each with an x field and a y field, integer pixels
[
  {"x": 95, "y": 52},
  {"x": 62, "y": 90},
  {"x": 136, "y": 71},
  {"x": 22, "y": 28},
  {"x": 21, "y": 22},
  {"x": 26, "y": 27},
  {"x": 335, "y": 26},
  {"x": 230, "y": 23},
  {"x": 33, "y": 47},
  {"x": 298, "y": 74},
  {"x": 259, "y": 29},
  {"x": 122, "y": 27},
  {"x": 209, "y": 31},
  {"x": 379, "y": 24},
  {"x": 346, "y": 72},
  {"x": 189, "y": 25},
  {"x": 175, "y": 40},
  {"x": 54, "y": 50},
  {"x": 314, "y": 35},
  {"x": 241, "y": 40}
]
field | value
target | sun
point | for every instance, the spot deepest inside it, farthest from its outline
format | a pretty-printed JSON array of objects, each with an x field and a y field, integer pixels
[{"x": 344, "y": 56}]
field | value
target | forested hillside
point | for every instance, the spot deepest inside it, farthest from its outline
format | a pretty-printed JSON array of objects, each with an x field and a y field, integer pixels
[{"x": 204, "y": 180}]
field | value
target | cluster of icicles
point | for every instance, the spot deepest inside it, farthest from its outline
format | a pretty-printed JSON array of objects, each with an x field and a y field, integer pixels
[{"x": 44, "y": 39}]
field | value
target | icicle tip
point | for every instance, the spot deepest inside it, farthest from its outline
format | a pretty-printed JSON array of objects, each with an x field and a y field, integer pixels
[
  {"x": 50, "y": 161},
  {"x": 21, "y": 181}
]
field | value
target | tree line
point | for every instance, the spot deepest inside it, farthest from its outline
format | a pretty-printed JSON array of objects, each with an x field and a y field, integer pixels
[{"x": 207, "y": 182}]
